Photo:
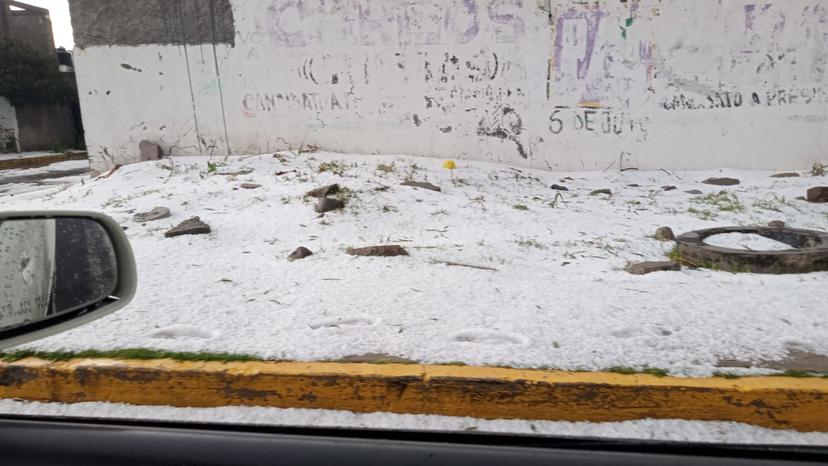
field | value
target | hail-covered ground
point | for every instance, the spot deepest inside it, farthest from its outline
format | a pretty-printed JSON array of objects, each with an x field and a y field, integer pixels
[
  {"x": 502, "y": 269},
  {"x": 649, "y": 429}
]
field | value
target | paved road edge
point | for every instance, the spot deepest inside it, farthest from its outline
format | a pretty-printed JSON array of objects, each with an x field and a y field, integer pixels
[{"x": 482, "y": 392}]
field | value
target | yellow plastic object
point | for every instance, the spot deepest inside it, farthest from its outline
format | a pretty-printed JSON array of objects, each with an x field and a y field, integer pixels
[{"x": 449, "y": 164}]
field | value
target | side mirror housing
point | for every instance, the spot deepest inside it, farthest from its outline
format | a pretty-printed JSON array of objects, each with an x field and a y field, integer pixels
[{"x": 60, "y": 270}]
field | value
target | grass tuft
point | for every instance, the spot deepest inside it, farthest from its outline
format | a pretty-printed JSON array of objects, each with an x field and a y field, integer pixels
[
  {"x": 530, "y": 243},
  {"x": 127, "y": 353},
  {"x": 724, "y": 201},
  {"x": 647, "y": 370},
  {"x": 386, "y": 167},
  {"x": 335, "y": 167}
]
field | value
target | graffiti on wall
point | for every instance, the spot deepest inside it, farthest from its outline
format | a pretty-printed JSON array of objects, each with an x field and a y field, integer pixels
[
  {"x": 298, "y": 23},
  {"x": 456, "y": 66}
]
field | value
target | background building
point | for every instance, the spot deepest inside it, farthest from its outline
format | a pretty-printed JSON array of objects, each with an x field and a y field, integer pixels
[{"x": 35, "y": 126}]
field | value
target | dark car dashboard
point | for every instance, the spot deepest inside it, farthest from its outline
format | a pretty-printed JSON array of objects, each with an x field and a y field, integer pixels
[{"x": 68, "y": 441}]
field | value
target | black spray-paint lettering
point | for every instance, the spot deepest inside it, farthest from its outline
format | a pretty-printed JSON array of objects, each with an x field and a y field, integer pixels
[{"x": 503, "y": 123}]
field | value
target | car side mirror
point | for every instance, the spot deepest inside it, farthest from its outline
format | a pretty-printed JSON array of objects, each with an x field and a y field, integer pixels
[{"x": 60, "y": 270}]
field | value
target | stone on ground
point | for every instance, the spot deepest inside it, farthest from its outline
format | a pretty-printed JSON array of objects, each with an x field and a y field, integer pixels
[
  {"x": 642, "y": 268},
  {"x": 665, "y": 234},
  {"x": 817, "y": 194},
  {"x": 326, "y": 204},
  {"x": 723, "y": 181},
  {"x": 191, "y": 226},
  {"x": 156, "y": 213},
  {"x": 323, "y": 191},
  {"x": 300, "y": 253},
  {"x": 421, "y": 184},
  {"x": 387, "y": 250},
  {"x": 150, "y": 151}
]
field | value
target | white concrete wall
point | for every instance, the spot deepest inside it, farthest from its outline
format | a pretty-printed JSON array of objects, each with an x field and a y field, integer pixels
[
  {"x": 549, "y": 84},
  {"x": 8, "y": 119}
]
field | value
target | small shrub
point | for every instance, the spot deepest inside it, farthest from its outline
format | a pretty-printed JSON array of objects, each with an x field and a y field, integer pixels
[
  {"x": 335, "y": 167},
  {"x": 386, "y": 168}
]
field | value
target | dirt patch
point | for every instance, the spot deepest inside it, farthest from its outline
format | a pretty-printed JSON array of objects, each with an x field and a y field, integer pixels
[{"x": 797, "y": 360}]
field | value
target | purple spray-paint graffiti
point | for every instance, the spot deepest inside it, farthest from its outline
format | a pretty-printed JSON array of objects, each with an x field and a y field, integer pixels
[
  {"x": 592, "y": 18},
  {"x": 301, "y": 23}
]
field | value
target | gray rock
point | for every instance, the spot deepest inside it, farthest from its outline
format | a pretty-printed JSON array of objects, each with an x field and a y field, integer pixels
[
  {"x": 642, "y": 268},
  {"x": 559, "y": 187},
  {"x": 323, "y": 191},
  {"x": 250, "y": 185},
  {"x": 300, "y": 253},
  {"x": 326, "y": 204},
  {"x": 150, "y": 151},
  {"x": 723, "y": 181},
  {"x": 668, "y": 188},
  {"x": 776, "y": 224},
  {"x": 601, "y": 191},
  {"x": 694, "y": 191},
  {"x": 785, "y": 175},
  {"x": 664, "y": 234},
  {"x": 156, "y": 213},
  {"x": 633, "y": 185},
  {"x": 817, "y": 194},
  {"x": 191, "y": 226},
  {"x": 421, "y": 184},
  {"x": 386, "y": 250}
]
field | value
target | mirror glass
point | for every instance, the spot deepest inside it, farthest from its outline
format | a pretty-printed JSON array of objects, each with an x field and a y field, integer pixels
[{"x": 50, "y": 266}]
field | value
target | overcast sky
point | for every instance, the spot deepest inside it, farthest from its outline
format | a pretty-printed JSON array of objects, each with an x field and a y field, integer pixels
[{"x": 61, "y": 25}]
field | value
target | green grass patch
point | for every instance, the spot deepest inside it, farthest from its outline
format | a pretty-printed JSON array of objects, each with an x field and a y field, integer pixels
[
  {"x": 128, "y": 353},
  {"x": 675, "y": 255},
  {"x": 629, "y": 371},
  {"x": 411, "y": 170},
  {"x": 345, "y": 194},
  {"x": 800, "y": 374},
  {"x": 765, "y": 204},
  {"x": 335, "y": 167},
  {"x": 530, "y": 243},
  {"x": 724, "y": 201},
  {"x": 703, "y": 214},
  {"x": 727, "y": 375}
]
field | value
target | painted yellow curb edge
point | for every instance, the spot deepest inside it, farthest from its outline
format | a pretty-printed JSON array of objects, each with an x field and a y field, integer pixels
[
  {"x": 39, "y": 161},
  {"x": 482, "y": 392}
]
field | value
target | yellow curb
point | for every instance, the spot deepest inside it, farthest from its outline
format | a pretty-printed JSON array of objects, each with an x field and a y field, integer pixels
[
  {"x": 40, "y": 161},
  {"x": 481, "y": 392}
]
